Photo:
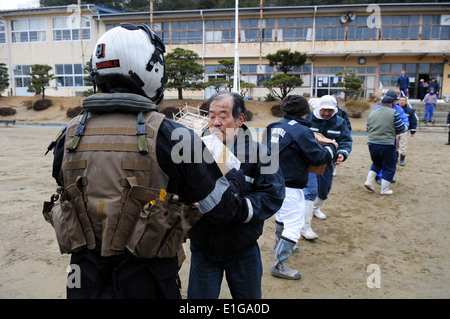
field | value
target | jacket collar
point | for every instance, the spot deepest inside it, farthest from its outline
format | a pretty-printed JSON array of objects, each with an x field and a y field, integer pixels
[{"x": 298, "y": 119}]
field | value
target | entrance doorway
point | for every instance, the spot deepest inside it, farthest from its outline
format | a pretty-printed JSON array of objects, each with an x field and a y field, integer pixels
[
  {"x": 425, "y": 71},
  {"x": 422, "y": 90}
]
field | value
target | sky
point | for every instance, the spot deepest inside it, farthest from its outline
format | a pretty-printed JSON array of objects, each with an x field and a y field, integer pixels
[{"x": 18, "y": 4}]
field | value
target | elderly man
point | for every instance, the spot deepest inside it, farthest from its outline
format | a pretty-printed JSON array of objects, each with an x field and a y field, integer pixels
[
  {"x": 403, "y": 138},
  {"x": 324, "y": 120},
  {"x": 233, "y": 248},
  {"x": 382, "y": 125}
]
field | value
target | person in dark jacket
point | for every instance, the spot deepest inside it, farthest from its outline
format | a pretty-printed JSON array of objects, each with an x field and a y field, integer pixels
[
  {"x": 403, "y": 83},
  {"x": 233, "y": 248},
  {"x": 448, "y": 125},
  {"x": 120, "y": 273},
  {"x": 324, "y": 120},
  {"x": 403, "y": 138},
  {"x": 435, "y": 85},
  {"x": 423, "y": 87},
  {"x": 298, "y": 149},
  {"x": 342, "y": 113}
]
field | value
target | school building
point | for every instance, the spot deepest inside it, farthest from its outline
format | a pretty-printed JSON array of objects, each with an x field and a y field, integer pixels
[{"x": 377, "y": 42}]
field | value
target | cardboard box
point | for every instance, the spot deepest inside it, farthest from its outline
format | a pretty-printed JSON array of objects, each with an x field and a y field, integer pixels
[
  {"x": 319, "y": 170},
  {"x": 322, "y": 140}
]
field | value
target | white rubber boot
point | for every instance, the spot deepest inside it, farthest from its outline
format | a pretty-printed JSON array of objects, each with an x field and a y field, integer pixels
[
  {"x": 385, "y": 188},
  {"x": 316, "y": 208},
  {"x": 307, "y": 232},
  {"x": 279, "y": 268},
  {"x": 370, "y": 180}
]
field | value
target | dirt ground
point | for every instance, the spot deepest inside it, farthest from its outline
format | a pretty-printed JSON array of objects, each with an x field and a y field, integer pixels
[{"x": 404, "y": 237}]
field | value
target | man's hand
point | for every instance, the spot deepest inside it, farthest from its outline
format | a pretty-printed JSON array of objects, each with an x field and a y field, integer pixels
[
  {"x": 340, "y": 159},
  {"x": 335, "y": 144}
]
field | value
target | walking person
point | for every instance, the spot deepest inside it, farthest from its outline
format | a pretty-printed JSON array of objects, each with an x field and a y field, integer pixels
[
  {"x": 403, "y": 116},
  {"x": 423, "y": 87},
  {"x": 382, "y": 126},
  {"x": 342, "y": 113},
  {"x": 233, "y": 248},
  {"x": 448, "y": 125},
  {"x": 435, "y": 85},
  {"x": 403, "y": 83},
  {"x": 324, "y": 120},
  {"x": 298, "y": 149},
  {"x": 430, "y": 102},
  {"x": 403, "y": 138}
]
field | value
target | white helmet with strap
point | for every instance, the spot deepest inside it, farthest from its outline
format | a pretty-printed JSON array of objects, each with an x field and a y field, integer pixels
[{"x": 130, "y": 57}]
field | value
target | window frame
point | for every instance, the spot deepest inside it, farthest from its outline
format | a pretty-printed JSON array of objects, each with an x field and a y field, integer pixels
[
  {"x": 71, "y": 77},
  {"x": 85, "y": 26},
  {"x": 28, "y": 31}
]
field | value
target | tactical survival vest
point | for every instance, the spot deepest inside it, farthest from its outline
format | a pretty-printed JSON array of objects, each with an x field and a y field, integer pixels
[{"x": 114, "y": 196}]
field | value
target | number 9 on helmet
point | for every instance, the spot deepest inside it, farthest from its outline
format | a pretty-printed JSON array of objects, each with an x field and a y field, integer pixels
[{"x": 128, "y": 58}]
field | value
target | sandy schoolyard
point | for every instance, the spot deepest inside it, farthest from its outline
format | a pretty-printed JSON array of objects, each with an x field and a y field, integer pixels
[{"x": 370, "y": 246}]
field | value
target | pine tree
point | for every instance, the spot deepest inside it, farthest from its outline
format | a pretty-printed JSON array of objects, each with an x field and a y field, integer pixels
[
  {"x": 40, "y": 78},
  {"x": 183, "y": 72}
]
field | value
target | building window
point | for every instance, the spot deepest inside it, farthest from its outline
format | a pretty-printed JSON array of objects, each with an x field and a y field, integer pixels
[
  {"x": 187, "y": 32},
  {"x": 358, "y": 30},
  {"x": 162, "y": 31},
  {"x": 2, "y": 32},
  {"x": 66, "y": 29},
  {"x": 389, "y": 73},
  {"x": 303, "y": 72},
  {"x": 294, "y": 29},
  {"x": 256, "y": 73},
  {"x": 69, "y": 75},
  {"x": 433, "y": 29},
  {"x": 109, "y": 26},
  {"x": 28, "y": 30},
  {"x": 403, "y": 27},
  {"x": 21, "y": 78},
  {"x": 220, "y": 31},
  {"x": 251, "y": 29},
  {"x": 329, "y": 28}
]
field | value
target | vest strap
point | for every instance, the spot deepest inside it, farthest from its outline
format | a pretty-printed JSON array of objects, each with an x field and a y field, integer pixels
[
  {"x": 108, "y": 147},
  {"x": 141, "y": 133},
  {"x": 78, "y": 133},
  {"x": 124, "y": 131}
]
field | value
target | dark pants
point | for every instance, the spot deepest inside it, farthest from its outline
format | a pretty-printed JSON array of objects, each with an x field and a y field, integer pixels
[
  {"x": 319, "y": 185},
  {"x": 243, "y": 275},
  {"x": 384, "y": 157},
  {"x": 122, "y": 276}
]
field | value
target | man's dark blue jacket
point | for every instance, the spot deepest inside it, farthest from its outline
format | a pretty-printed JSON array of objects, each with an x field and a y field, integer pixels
[
  {"x": 263, "y": 196},
  {"x": 298, "y": 148}
]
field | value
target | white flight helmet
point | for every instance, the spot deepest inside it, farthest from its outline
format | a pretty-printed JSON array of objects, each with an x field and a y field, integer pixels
[{"x": 130, "y": 57}]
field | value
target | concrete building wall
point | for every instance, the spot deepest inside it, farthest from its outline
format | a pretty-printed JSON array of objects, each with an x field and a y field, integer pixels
[{"x": 324, "y": 57}]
